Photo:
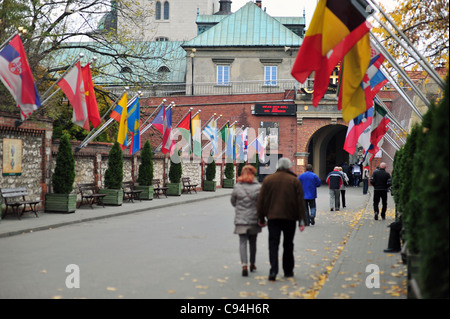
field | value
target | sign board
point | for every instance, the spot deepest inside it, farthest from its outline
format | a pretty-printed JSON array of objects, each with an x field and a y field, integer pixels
[
  {"x": 12, "y": 157},
  {"x": 275, "y": 109}
]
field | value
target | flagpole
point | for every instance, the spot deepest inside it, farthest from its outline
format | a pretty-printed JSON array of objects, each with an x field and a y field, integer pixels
[
  {"x": 206, "y": 125},
  {"x": 5, "y": 43},
  {"x": 386, "y": 153},
  {"x": 157, "y": 108},
  {"x": 409, "y": 47},
  {"x": 375, "y": 42},
  {"x": 151, "y": 124},
  {"x": 391, "y": 115},
  {"x": 168, "y": 108}
]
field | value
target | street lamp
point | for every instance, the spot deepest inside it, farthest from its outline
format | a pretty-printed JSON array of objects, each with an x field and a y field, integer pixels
[{"x": 192, "y": 55}]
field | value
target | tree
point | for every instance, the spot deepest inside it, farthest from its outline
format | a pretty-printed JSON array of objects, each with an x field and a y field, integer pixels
[
  {"x": 229, "y": 170},
  {"x": 426, "y": 24},
  {"x": 64, "y": 174},
  {"x": 114, "y": 172},
  {"x": 145, "y": 177},
  {"x": 210, "y": 172},
  {"x": 175, "y": 170}
]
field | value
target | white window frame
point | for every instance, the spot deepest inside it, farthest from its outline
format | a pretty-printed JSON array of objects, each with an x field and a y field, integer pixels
[
  {"x": 222, "y": 77},
  {"x": 270, "y": 75}
]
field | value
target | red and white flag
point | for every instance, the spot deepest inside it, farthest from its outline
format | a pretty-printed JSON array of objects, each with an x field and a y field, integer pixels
[
  {"x": 73, "y": 87},
  {"x": 91, "y": 101}
]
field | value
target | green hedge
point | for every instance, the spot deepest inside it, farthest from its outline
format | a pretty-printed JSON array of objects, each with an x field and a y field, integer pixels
[
  {"x": 114, "y": 172},
  {"x": 145, "y": 174},
  {"x": 421, "y": 188}
]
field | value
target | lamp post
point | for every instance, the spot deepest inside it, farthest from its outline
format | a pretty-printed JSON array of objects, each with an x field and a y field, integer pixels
[{"x": 192, "y": 55}]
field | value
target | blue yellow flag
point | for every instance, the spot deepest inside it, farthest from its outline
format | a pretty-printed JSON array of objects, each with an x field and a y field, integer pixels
[
  {"x": 122, "y": 106},
  {"x": 133, "y": 119}
]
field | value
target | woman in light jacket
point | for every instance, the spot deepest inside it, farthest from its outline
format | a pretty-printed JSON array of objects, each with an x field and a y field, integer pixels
[
  {"x": 345, "y": 182},
  {"x": 244, "y": 198}
]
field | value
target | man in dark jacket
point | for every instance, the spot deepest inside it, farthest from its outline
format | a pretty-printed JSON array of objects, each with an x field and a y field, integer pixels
[
  {"x": 381, "y": 181},
  {"x": 281, "y": 201},
  {"x": 334, "y": 181}
]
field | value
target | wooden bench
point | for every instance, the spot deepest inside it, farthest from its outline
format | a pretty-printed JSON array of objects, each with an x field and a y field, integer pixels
[
  {"x": 157, "y": 189},
  {"x": 187, "y": 186},
  {"x": 11, "y": 197},
  {"x": 89, "y": 192},
  {"x": 129, "y": 193}
]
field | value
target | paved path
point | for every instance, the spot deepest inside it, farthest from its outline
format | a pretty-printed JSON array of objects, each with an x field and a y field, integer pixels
[{"x": 334, "y": 258}]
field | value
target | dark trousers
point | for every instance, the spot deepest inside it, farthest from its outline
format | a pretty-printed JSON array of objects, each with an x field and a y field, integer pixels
[
  {"x": 276, "y": 227},
  {"x": 377, "y": 195},
  {"x": 343, "y": 197}
]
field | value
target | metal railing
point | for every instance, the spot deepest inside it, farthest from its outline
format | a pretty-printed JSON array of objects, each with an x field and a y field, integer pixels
[{"x": 208, "y": 88}]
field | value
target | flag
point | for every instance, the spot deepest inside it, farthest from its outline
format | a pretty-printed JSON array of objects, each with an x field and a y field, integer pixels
[
  {"x": 73, "y": 87},
  {"x": 15, "y": 73},
  {"x": 210, "y": 131},
  {"x": 184, "y": 127},
  {"x": 158, "y": 121},
  {"x": 380, "y": 125},
  {"x": 335, "y": 28},
  {"x": 196, "y": 135},
  {"x": 224, "y": 132},
  {"x": 240, "y": 146},
  {"x": 258, "y": 144},
  {"x": 357, "y": 128},
  {"x": 229, "y": 151},
  {"x": 117, "y": 112},
  {"x": 167, "y": 143},
  {"x": 91, "y": 101},
  {"x": 352, "y": 97},
  {"x": 374, "y": 78},
  {"x": 122, "y": 107},
  {"x": 245, "y": 143},
  {"x": 133, "y": 118}
]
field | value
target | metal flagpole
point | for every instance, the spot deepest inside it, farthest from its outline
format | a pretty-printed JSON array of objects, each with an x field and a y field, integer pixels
[
  {"x": 206, "y": 125},
  {"x": 386, "y": 153},
  {"x": 391, "y": 141},
  {"x": 375, "y": 42},
  {"x": 409, "y": 47},
  {"x": 160, "y": 145},
  {"x": 5, "y": 43},
  {"x": 234, "y": 123},
  {"x": 157, "y": 108},
  {"x": 391, "y": 116}
]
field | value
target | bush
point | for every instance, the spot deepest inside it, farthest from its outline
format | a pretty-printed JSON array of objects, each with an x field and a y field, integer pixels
[
  {"x": 175, "y": 170},
  {"x": 114, "y": 172},
  {"x": 64, "y": 174},
  {"x": 210, "y": 173},
  {"x": 434, "y": 243},
  {"x": 145, "y": 174},
  {"x": 229, "y": 171},
  {"x": 240, "y": 166}
]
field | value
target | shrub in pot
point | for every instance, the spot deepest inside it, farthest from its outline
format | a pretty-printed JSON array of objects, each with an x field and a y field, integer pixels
[
  {"x": 209, "y": 184},
  {"x": 228, "y": 181},
  {"x": 175, "y": 172},
  {"x": 114, "y": 177},
  {"x": 145, "y": 173},
  {"x": 62, "y": 199}
]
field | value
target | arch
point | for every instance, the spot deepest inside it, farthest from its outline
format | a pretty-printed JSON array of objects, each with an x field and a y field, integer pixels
[{"x": 326, "y": 148}]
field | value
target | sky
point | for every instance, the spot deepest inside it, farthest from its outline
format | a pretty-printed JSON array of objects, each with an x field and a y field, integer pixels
[{"x": 292, "y": 8}]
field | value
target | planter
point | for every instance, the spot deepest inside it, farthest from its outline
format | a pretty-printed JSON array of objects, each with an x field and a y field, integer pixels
[
  {"x": 115, "y": 196},
  {"x": 147, "y": 191},
  {"x": 62, "y": 203},
  {"x": 228, "y": 183},
  {"x": 173, "y": 189},
  {"x": 209, "y": 186},
  {"x": 413, "y": 264}
]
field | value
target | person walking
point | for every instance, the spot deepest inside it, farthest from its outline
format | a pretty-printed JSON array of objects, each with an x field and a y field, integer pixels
[
  {"x": 334, "y": 181},
  {"x": 281, "y": 202},
  {"x": 365, "y": 179},
  {"x": 342, "y": 189},
  {"x": 356, "y": 171},
  {"x": 381, "y": 181},
  {"x": 244, "y": 198},
  {"x": 310, "y": 182}
]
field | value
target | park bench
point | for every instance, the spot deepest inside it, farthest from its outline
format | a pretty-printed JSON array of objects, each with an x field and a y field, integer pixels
[
  {"x": 157, "y": 189},
  {"x": 187, "y": 186},
  {"x": 89, "y": 192},
  {"x": 129, "y": 193},
  {"x": 12, "y": 199}
]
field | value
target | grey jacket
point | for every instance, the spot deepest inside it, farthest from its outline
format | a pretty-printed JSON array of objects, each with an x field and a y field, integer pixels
[{"x": 244, "y": 198}]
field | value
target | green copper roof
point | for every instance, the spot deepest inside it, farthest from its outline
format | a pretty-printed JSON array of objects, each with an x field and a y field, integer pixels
[{"x": 249, "y": 26}]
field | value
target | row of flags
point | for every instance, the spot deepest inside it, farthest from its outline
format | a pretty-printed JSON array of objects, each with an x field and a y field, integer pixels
[
  {"x": 339, "y": 33},
  {"x": 15, "y": 73}
]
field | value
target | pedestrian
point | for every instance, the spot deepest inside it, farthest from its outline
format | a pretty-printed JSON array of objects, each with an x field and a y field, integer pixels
[
  {"x": 310, "y": 182},
  {"x": 334, "y": 181},
  {"x": 381, "y": 181},
  {"x": 281, "y": 202},
  {"x": 342, "y": 189},
  {"x": 365, "y": 179},
  {"x": 356, "y": 171},
  {"x": 244, "y": 198}
]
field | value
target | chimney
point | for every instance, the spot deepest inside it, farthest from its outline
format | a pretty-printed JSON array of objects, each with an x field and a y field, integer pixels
[
  {"x": 258, "y": 3},
  {"x": 225, "y": 7}
]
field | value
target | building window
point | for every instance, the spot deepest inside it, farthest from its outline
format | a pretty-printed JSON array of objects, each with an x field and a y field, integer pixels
[
  {"x": 166, "y": 10},
  {"x": 162, "y": 39},
  {"x": 270, "y": 75},
  {"x": 223, "y": 75},
  {"x": 158, "y": 10}
]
